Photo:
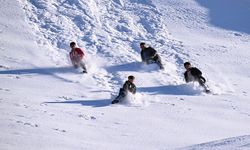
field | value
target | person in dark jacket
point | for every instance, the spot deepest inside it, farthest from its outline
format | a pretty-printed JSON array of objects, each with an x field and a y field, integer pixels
[
  {"x": 149, "y": 55},
  {"x": 128, "y": 86},
  {"x": 193, "y": 74}
]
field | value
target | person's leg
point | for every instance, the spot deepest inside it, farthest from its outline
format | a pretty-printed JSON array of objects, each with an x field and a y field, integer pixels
[
  {"x": 121, "y": 95},
  {"x": 83, "y": 66},
  {"x": 202, "y": 82},
  {"x": 157, "y": 59},
  {"x": 75, "y": 66},
  {"x": 74, "y": 63},
  {"x": 148, "y": 61}
]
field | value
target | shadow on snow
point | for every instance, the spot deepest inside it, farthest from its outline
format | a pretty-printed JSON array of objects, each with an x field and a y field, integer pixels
[
  {"x": 182, "y": 89},
  {"x": 93, "y": 103},
  {"x": 133, "y": 66},
  {"x": 43, "y": 71}
]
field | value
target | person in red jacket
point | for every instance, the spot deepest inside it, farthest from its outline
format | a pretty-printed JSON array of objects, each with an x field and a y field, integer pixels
[{"x": 76, "y": 57}]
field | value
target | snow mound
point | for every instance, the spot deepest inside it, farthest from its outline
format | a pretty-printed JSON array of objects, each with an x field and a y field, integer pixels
[
  {"x": 234, "y": 143},
  {"x": 134, "y": 100}
]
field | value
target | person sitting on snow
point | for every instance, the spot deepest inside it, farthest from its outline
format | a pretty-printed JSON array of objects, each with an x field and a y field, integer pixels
[
  {"x": 194, "y": 74},
  {"x": 128, "y": 86},
  {"x": 76, "y": 57},
  {"x": 149, "y": 55}
]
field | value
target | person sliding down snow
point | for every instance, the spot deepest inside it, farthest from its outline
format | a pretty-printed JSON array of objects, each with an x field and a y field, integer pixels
[
  {"x": 149, "y": 55},
  {"x": 194, "y": 74},
  {"x": 128, "y": 86},
  {"x": 76, "y": 57}
]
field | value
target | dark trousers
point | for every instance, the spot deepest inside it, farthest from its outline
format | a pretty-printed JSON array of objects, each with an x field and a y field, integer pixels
[
  {"x": 81, "y": 64},
  {"x": 122, "y": 94},
  {"x": 156, "y": 59},
  {"x": 201, "y": 80}
]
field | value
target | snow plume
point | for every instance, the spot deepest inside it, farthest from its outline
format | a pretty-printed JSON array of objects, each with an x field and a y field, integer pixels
[
  {"x": 134, "y": 100},
  {"x": 94, "y": 63}
]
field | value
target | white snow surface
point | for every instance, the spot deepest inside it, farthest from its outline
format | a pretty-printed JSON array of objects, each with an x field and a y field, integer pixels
[{"x": 46, "y": 104}]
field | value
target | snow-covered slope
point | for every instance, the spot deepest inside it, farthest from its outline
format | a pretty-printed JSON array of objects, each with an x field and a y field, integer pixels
[
  {"x": 236, "y": 143},
  {"x": 46, "y": 104}
]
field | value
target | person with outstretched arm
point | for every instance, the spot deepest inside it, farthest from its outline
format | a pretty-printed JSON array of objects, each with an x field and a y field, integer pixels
[{"x": 193, "y": 74}]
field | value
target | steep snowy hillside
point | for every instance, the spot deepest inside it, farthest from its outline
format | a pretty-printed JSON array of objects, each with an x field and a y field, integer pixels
[
  {"x": 46, "y": 104},
  {"x": 109, "y": 29}
]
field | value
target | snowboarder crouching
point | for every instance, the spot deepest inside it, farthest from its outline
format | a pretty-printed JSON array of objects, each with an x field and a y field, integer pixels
[
  {"x": 128, "y": 86},
  {"x": 194, "y": 74},
  {"x": 149, "y": 55},
  {"x": 76, "y": 57}
]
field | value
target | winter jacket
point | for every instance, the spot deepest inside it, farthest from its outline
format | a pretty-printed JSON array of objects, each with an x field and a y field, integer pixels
[
  {"x": 195, "y": 73},
  {"x": 148, "y": 53},
  {"x": 129, "y": 86},
  {"x": 76, "y": 55}
]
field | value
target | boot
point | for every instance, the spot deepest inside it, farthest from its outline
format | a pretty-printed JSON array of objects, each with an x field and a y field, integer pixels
[{"x": 115, "y": 101}]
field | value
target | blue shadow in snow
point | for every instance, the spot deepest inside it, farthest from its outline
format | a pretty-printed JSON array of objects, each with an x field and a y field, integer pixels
[
  {"x": 133, "y": 66},
  {"x": 93, "y": 103},
  {"x": 43, "y": 71},
  {"x": 182, "y": 89},
  {"x": 229, "y": 14}
]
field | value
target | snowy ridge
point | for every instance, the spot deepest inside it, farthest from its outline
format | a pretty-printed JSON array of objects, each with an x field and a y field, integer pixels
[{"x": 236, "y": 143}]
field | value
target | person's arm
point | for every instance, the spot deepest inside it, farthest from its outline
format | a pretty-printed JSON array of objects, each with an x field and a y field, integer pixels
[
  {"x": 186, "y": 77},
  {"x": 142, "y": 56},
  {"x": 134, "y": 89},
  {"x": 152, "y": 52},
  {"x": 72, "y": 58},
  {"x": 125, "y": 86},
  {"x": 70, "y": 55}
]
